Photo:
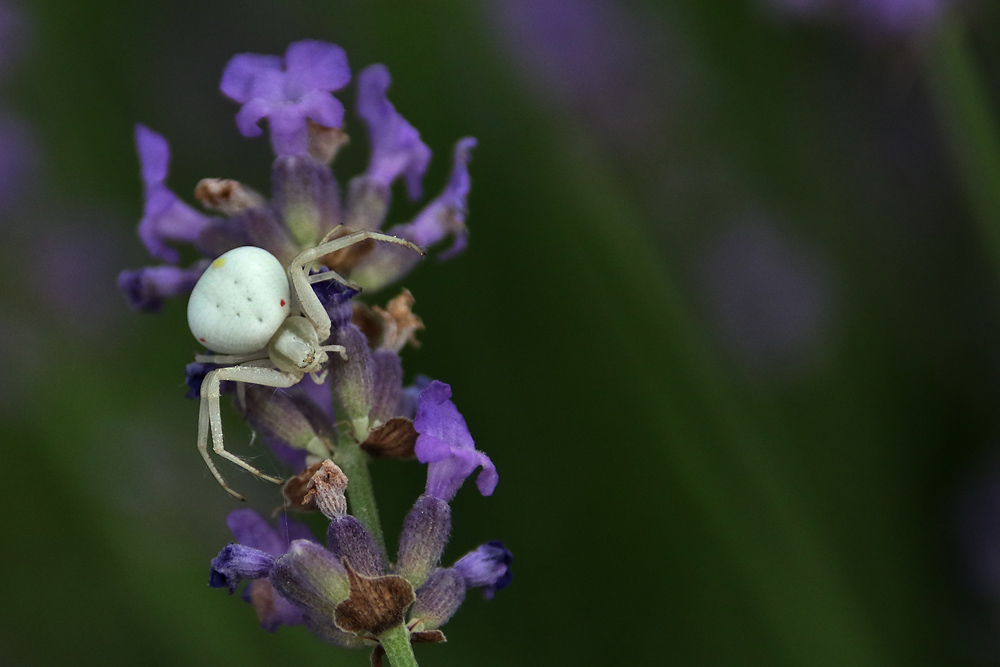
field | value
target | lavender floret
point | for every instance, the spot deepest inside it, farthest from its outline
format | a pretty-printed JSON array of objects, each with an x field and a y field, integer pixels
[{"x": 288, "y": 91}]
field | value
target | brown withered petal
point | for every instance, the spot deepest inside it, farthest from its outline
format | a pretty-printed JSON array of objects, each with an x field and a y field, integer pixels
[
  {"x": 394, "y": 439},
  {"x": 375, "y": 604},
  {"x": 344, "y": 260},
  {"x": 324, "y": 142},
  {"x": 370, "y": 324},
  {"x": 428, "y": 637},
  {"x": 326, "y": 489},
  {"x": 226, "y": 196},
  {"x": 400, "y": 325},
  {"x": 296, "y": 489},
  {"x": 262, "y": 598}
]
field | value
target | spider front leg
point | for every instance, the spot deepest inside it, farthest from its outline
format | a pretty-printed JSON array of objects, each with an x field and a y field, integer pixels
[
  {"x": 210, "y": 415},
  {"x": 298, "y": 275}
]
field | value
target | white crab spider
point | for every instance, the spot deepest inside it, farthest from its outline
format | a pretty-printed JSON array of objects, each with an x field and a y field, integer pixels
[{"x": 269, "y": 325}]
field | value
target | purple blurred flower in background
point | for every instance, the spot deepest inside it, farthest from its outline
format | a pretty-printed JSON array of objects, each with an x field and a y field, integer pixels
[
  {"x": 15, "y": 35},
  {"x": 20, "y": 160},
  {"x": 19, "y": 153},
  {"x": 977, "y": 530},
  {"x": 600, "y": 61},
  {"x": 769, "y": 298},
  {"x": 885, "y": 16}
]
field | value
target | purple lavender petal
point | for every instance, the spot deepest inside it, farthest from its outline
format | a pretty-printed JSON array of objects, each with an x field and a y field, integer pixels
[
  {"x": 446, "y": 214},
  {"x": 488, "y": 567},
  {"x": 165, "y": 218},
  {"x": 396, "y": 146},
  {"x": 444, "y": 443},
  {"x": 243, "y": 71},
  {"x": 288, "y": 455},
  {"x": 317, "y": 65},
  {"x": 251, "y": 529},
  {"x": 194, "y": 376},
  {"x": 289, "y": 531},
  {"x": 146, "y": 288},
  {"x": 443, "y": 217},
  {"x": 438, "y": 417},
  {"x": 288, "y": 91},
  {"x": 154, "y": 155}
]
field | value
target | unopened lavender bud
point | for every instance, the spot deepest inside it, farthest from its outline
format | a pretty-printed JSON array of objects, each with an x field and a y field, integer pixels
[
  {"x": 306, "y": 195},
  {"x": 438, "y": 599},
  {"x": 292, "y": 420},
  {"x": 265, "y": 230},
  {"x": 367, "y": 203},
  {"x": 387, "y": 387},
  {"x": 311, "y": 578},
  {"x": 347, "y": 537},
  {"x": 425, "y": 534},
  {"x": 237, "y": 562},
  {"x": 352, "y": 379}
]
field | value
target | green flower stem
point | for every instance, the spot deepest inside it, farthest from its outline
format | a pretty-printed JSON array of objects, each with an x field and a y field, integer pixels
[
  {"x": 396, "y": 643},
  {"x": 360, "y": 494},
  {"x": 965, "y": 111}
]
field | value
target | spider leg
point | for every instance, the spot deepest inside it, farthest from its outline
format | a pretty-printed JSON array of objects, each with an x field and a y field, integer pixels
[
  {"x": 210, "y": 394},
  {"x": 298, "y": 277},
  {"x": 225, "y": 359},
  {"x": 203, "y": 429}
]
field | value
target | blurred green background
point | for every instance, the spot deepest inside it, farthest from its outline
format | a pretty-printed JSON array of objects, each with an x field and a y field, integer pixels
[{"x": 726, "y": 325}]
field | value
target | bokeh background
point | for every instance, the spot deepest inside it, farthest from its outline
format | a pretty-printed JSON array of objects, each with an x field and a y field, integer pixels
[{"x": 727, "y": 324}]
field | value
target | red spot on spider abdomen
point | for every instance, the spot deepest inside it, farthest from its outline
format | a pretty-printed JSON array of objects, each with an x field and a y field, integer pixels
[
  {"x": 202, "y": 340},
  {"x": 282, "y": 302}
]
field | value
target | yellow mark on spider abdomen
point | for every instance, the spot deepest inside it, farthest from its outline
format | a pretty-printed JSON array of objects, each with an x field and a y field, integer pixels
[{"x": 219, "y": 263}]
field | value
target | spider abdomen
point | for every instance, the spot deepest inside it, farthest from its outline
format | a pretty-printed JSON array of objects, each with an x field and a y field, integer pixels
[{"x": 239, "y": 302}]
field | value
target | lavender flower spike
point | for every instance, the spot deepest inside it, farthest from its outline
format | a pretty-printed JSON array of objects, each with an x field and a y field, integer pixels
[
  {"x": 488, "y": 567},
  {"x": 287, "y": 91},
  {"x": 165, "y": 217},
  {"x": 445, "y": 444},
  {"x": 396, "y": 146}
]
